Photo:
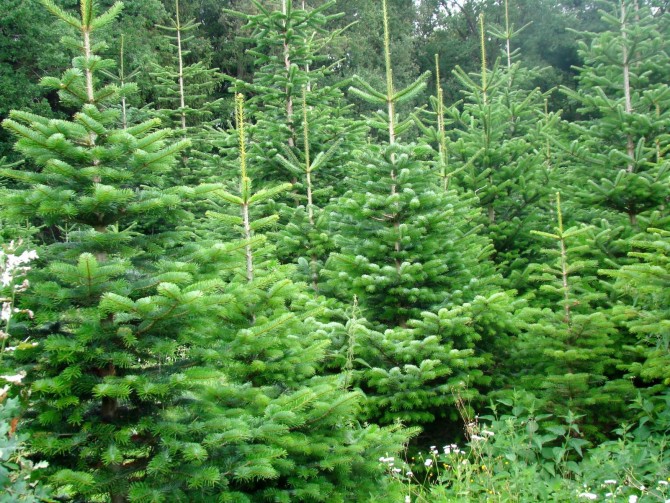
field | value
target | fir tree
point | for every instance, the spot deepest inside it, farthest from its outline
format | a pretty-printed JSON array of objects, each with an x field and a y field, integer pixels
[
  {"x": 413, "y": 255},
  {"x": 270, "y": 426},
  {"x": 619, "y": 169},
  {"x": 569, "y": 352},
  {"x": 125, "y": 86},
  {"x": 497, "y": 150},
  {"x": 642, "y": 307},
  {"x": 291, "y": 57},
  {"x": 184, "y": 89},
  {"x": 113, "y": 306}
]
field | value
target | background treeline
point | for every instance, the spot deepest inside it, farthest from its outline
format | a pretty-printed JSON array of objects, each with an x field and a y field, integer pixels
[{"x": 264, "y": 250}]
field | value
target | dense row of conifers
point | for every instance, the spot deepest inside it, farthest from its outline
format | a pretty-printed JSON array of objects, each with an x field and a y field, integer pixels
[{"x": 260, "y": 308}]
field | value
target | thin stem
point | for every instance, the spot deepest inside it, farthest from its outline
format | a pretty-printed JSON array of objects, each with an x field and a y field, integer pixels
[
  {"x": 389, "y": 78},
  {"x": 630, "y": 145},
  {"x": 508, "y": 36},
  {"x": 442, "y": 136},
  {"x": 391, "y": 111},
  {"x": 308, "y": 167},
  {"x": 483, "y": 48},
  {"x": 182, "y": 98},
  {"x": 287, "y": 65},
  {"x": 309, "y": 81},
  {"x": 244, "y": 182},
  {"x": 86, "y": 30},
  {"x": 124, "y": 117}
]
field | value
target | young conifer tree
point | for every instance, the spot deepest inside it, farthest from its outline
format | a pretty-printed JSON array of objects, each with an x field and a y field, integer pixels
[
  {"x": 184, "y": 96},
  {"x": 113, "y": 306},
  {"x": 270, "y": 427},
  {"x": 302, "y": 129},
  {"x": 643, "y": 308},
  {"x": 497, "y": 150},
  {"x": 618, "y": 170},
  {"x": 184, "y": 88},
  {"x": 290, "y": 46},
  {"x": 569, "y": 351},
  {"x": 419, "y": 266}
]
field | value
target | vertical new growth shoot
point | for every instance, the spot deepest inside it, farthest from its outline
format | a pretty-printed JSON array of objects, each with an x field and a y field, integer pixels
[
  {"x": 124, "y": 84},
  {"x": 245, "y": 184},
  {"x": 482, "y": 35},
  {"x": 390, "y": 100},
  {"x": 306, "y": 169},
  {"x": 441, "y": 132},
  {"x": 560, "y": 237},
  {"x": 630, "y": 145}
]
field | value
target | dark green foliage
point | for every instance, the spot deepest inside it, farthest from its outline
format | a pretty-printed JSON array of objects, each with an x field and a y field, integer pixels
[
  {"x": 183, "y": 89},
  {"x": 619, "y": 161},
  {"x": 290, "y": 47},
  {"x": 498, "y": 150},
  {"x": 643, "y": 287},
  {"x": 569, "y": 345},
  {"x": 16, "y": 470}
]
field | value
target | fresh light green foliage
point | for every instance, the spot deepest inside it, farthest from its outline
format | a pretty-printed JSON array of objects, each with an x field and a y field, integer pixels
[
  {"x": 274, "y": 307},
  {"x": 112, "y": 323}
]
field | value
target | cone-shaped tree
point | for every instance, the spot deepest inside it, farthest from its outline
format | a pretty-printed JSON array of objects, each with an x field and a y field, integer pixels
[
  {"x": 643, "y": 306},
  {"x": 183, "y": 89},
  {"x": 569, "y": 351},
  {"x": 270, "y": 427},
  {"x": 619, "y": 150},
  {"x": 113, "y": 306},
  {"x": 497, "y": 150},
  {"x": 413, "y": 255},
  {"x": 291, "y": 57}
]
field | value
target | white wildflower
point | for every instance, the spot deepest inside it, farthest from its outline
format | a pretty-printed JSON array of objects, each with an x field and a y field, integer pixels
[
  {"x": 609, "y": 481},
  {"x": 41, "y": 464},
  {"x": 408, "y": 499},
  {"x": 15, "y": 379},
  {"x": 476, "y": 438},
  {"x": 488, "y": 433},
  {"x": 410, "y": 474},
  {"x": 632, "y": 499},
  {"x": 588, "y": 496},
  {"x": 428, "y": 462},
  {"x": 662, "y": 482},
  {"x": 6, "y": 312}
]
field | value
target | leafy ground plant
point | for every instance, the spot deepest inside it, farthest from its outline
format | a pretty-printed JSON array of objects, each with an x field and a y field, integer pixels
[{"x": 525, "y": 456}]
